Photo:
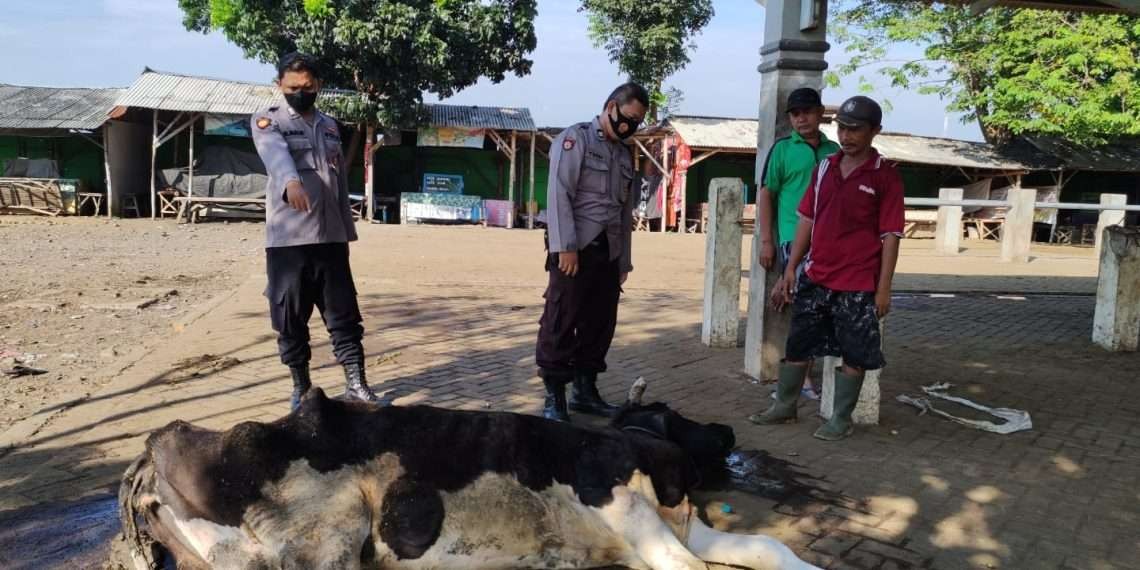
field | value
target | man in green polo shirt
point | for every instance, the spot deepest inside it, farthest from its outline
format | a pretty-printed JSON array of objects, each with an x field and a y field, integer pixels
[{"x": 786, "y": 175}]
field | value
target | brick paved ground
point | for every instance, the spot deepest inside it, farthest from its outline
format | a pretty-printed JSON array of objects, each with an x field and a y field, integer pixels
[{"x": 451, "y": 316}]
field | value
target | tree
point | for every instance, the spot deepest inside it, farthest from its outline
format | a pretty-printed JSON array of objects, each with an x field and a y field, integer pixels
[
  {"x": 1014, "y": 71},
  {"x": 389, "y": 52},
  {"x": 648, "y": 40}
]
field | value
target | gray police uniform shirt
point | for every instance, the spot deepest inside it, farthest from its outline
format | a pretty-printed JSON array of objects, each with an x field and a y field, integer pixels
[
  {"x": 294, "y": 149},
  {"x": 589, "y": 192}
]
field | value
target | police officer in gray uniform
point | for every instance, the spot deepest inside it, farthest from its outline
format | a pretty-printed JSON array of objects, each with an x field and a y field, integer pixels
[
  {"x": 308, "y": 226},
  {"x": 589, "y": 223}
]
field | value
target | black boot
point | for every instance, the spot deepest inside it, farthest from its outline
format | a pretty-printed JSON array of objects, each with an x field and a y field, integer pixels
[
  {"x": 554, "y": 406},
  {"x": 301, "y": 384},
  {"x": 355, "y": 386},
  {"x": 586, "y": 399}
]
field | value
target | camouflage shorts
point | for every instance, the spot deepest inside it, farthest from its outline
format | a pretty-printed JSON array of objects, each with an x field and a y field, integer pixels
[{"x": 834, "y": 323}]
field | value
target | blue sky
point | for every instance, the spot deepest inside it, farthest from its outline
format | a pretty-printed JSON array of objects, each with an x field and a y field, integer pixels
[{"x": 108, "y": 42}]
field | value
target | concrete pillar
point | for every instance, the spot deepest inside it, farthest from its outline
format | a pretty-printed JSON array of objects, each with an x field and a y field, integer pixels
[
  {"x": 948, "y": 234},
  {"x": 1116, "y": 321},
  {"x": 867, "y": 409},
  {"x": 792, "y": 56},
  {"x": 1017, "y": 232},
  {"x": 720, "y": 316},
  {"x": 1109, "y": 218}
]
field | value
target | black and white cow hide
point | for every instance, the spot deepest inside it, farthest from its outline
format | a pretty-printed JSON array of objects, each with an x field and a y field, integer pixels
[{"x": 341, "y": 484}]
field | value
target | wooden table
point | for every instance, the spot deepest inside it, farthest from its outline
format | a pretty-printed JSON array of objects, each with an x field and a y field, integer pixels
[
  {"x": 188, "y": 206},
  {"x": 93, "y": 198}
]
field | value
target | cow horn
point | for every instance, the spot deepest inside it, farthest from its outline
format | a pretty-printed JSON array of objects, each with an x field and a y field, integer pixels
[{"x": 637, "y": 390}]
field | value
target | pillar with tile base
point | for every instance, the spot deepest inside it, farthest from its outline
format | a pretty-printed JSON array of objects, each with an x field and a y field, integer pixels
[
  {"x": 948, "y": 232},
  {"x": 1116, "y": 321},
  {"x": 720, "y": 320},
  {"x": 792, "y": 57},
  {"x": 1109, "y": 218},
  {"x": 1017, "y": 231}
]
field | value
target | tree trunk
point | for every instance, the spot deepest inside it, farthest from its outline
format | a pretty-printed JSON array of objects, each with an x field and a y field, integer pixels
[{"x": 354, "y": 146}]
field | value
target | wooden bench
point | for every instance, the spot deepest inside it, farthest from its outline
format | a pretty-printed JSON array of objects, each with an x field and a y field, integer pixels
[
  {"x": 915, "y": 220},
  {"x": 190, "y": 206}
]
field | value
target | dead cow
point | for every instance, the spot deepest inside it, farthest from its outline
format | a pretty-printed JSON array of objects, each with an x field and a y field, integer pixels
[{"x": 352, "y": 485}]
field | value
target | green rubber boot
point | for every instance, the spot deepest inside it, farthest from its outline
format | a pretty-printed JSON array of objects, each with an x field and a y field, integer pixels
[
  {"x": 783, "y": 411},
  {"x": 847, "y": 390}
]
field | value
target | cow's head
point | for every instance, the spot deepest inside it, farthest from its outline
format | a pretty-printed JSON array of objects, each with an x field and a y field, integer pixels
[{"x": 706, "y": 444}]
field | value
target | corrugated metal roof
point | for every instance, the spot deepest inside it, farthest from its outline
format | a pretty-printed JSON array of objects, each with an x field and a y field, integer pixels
[
  {"x": 740, "y": 135},
  {"x": 54, "y": 108},
  {"x": 1118, "y": 156},
  {"x": 940, "y": 152},
  {"x": 173, "y": 92},
  {"x": 716, "y": 132},
  {"x": 471, "y": 117}
]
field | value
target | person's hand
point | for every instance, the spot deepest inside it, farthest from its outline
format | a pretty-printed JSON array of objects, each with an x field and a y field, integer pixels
[
  {"x": 624, "y": 276},
  {"x": 767, "y": 254},
  {"x": 789, "y": 282},
  {"x": 777, "y": 296},
  {"x": 295, "y": 196},
  {"x": 882, "y": 302},
  {"x": 568, "y": 262}
]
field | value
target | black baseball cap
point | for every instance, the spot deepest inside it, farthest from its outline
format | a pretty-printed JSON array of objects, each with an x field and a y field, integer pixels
[
  {"x": 860, "y": 111},
  {"x": 804, "y": 98}
]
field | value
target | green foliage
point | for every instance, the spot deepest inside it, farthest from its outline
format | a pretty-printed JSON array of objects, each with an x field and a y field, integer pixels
[
  {"x": 388, "y": 51},
  {"x": 1014, "y": 71},
  {"x": 648, "y": 40}
]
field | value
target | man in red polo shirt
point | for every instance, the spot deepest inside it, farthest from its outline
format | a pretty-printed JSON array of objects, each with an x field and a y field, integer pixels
[{"x": 851, "y": 220}]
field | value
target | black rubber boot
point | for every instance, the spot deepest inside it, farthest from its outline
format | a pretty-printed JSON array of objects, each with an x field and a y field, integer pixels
[
  {"x": 355, "y": 386},
  {"x": 586, "y": 399},
  {"x": 554, "y": 405},
  {"x": 301, "y": 384}
]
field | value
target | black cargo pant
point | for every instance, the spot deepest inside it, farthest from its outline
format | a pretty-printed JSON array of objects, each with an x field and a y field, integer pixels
[
  {"x": 577, "y": 324},
  {"x": 305, "y": 275}
]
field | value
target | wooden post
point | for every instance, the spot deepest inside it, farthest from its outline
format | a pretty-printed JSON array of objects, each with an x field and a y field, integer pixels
[
  {"x": 682, "y": 190},
  {"x": 665, "y": 181},
  {"x": 190, "y": 187},
  {"x": 153, "y": 157},
  {"x": 948, "y": 232},
  {"x": 369, "y": 140},
  {"x": 530, "y": 200},
  {"x": 107, "y": 166},
  {"x": 720, "y": 319},
  {"x": 511, "y": 181}
]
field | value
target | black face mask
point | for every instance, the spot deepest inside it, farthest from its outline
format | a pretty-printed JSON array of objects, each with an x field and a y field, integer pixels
[
  {"x": 623, "y": 120},
  {"x": 301, "y": 101}
]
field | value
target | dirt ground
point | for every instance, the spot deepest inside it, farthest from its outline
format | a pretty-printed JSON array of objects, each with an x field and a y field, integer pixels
[{"x": 81, "y": 295}]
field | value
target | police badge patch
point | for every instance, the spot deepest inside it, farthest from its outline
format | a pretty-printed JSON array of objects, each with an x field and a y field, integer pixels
[
  {"x": 567, "y": 144},
  {"x": 263, "y": 122}
]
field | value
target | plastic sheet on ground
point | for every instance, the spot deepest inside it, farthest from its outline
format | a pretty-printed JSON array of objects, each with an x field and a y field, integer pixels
[{"x": 1012, "y": 420}]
